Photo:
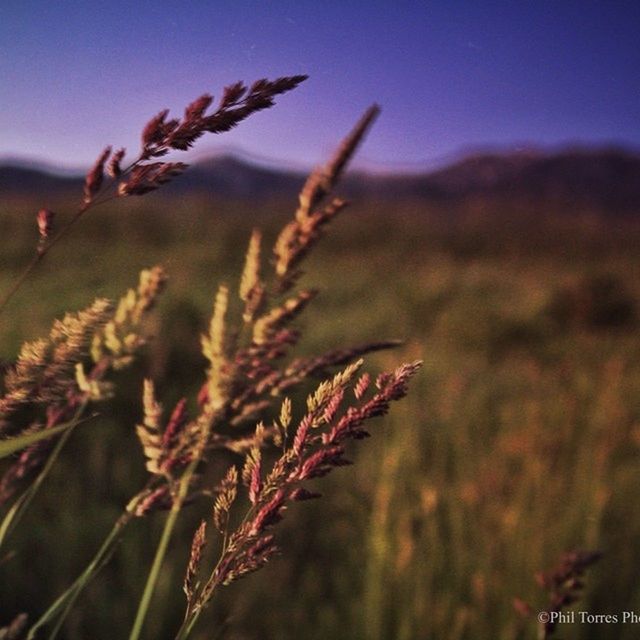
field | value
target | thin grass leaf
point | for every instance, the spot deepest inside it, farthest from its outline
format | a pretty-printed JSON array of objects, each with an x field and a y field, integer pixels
[{"x": 13, "y": 445}]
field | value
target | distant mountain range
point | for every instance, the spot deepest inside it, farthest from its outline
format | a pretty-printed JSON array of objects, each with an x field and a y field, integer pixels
[{"x": 594, "y": 179}]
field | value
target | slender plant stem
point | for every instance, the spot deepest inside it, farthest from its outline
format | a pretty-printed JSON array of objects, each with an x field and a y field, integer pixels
[
  {"x": 39, "y": 256},
  {"x": 42, "y": 252},
  {"x": 10, "y": 521},
  {"x": 74, "y": 590},
  {"x": 188, "y": 624},
  {"x": 176, "y": 507},
  {"x": 68, "y": 598},
  {"x": 21, "y": 278},
  {"x": 154, "y": 572},
  {"x": 101, "y": 558}
]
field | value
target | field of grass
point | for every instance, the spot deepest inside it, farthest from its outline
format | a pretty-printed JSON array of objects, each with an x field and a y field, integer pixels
[{"x": 519, "y": 440}]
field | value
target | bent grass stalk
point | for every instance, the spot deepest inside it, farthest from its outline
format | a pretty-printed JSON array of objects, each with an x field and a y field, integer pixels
[
  {"x": 17, "y": 443},
  {"x": 18, "y": 509},
  {"x": 69, "y": 597}
]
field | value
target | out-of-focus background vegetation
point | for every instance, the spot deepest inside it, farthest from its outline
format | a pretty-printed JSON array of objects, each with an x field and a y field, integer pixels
[{"x": 519, "y": 440}]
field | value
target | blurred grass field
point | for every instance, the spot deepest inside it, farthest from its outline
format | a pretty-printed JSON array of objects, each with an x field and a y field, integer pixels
[{"x": 518, "y": 441}]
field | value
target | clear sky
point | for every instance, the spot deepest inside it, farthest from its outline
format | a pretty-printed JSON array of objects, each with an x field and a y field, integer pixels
[{"x": 76, "y": 75}]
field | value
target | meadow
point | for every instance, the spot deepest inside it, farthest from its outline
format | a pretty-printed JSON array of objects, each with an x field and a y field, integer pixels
[{"x": 517, "y": 443}]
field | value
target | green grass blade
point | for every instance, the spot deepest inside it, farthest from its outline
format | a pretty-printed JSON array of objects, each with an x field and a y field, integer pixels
[{"x": 12, "y": 445}]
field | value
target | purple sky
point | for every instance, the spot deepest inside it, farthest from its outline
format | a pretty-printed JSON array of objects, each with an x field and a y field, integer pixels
[{"x": 76, "y": 75}]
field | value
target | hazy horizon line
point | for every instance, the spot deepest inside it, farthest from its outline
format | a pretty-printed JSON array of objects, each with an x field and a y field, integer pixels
[{"x": 360, "y": 165}]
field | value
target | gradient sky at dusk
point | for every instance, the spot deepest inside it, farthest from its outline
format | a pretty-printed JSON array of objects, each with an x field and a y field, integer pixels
[{"x": 76, "y": 75}]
